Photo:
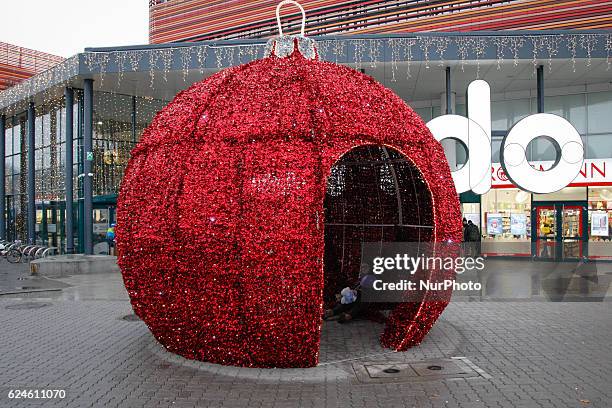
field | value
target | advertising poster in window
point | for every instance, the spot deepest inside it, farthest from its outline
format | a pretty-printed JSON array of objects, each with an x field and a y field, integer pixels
[
  {"x": 494, "y": 224},
  {"x": 518, "y": 224},
  {"x": 599, "y": 224}
]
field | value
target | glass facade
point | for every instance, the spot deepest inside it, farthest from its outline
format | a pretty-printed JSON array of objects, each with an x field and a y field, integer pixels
[
  {"x": 15, "y": 164},
  {"x": 49, "y": 154},
  {"x": 118, "y": 122}
]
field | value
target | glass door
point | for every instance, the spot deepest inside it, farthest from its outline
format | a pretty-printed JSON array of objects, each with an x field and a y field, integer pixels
[
  {"x": 101, "y": 222},
  {"x": 103, "y": 219},
  {"x": 572, "y": 240},
  {"x": 545, "y": 234},
  {"x": 560, "y": 231}
]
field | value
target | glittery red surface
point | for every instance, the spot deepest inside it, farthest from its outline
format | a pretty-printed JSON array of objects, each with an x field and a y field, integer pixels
[{"x": 220, "y": 219}]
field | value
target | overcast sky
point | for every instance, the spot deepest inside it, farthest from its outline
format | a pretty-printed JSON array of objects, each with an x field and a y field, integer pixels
[{"x": 66, "y": 27}]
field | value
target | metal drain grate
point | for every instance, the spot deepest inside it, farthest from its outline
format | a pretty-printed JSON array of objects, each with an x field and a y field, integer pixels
[
  {"x": 130, "y": 318},
  {"x": 27, "y": 306},
  {"x": 442, "y": 369}
]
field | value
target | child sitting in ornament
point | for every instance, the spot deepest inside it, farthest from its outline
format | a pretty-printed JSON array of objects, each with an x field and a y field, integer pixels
[{"x": 351, "y": 304}]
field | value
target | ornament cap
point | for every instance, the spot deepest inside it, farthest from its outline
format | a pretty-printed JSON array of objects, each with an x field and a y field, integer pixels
[{"x": 285, "y": 45}]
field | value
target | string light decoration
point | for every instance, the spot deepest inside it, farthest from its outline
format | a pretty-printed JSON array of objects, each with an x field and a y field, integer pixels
[
  {"x": 400, "y": 49},
  {"x": 232, "y": 176}
]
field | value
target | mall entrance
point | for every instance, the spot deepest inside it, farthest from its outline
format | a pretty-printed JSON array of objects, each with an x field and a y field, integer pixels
[
  {"x": 50, "y": 222},
  {"x": 559, "y": 230},
  {"x": 104, "y": 215}
]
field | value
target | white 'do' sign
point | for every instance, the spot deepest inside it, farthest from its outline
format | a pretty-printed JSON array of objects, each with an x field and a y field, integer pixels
[{"x": 475, "y": 132}]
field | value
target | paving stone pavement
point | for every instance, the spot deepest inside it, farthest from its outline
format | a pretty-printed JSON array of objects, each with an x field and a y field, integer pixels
[
  {"x": 537, "y": 354},
  {"x": 534, "y": 354}
]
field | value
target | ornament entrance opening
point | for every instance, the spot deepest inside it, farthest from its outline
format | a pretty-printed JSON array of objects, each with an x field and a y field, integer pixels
[{"x": 374, "y": 194}]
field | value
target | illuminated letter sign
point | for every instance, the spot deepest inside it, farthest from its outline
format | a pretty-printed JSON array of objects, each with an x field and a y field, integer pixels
[{"x": 475, "y": 132}]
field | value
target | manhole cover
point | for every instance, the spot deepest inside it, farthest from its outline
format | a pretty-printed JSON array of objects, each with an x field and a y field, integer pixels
[
  {"x": 393, "y": 372},
  {"x": 27, "y": 287},
  {"x": 130, "y": 318},
  {"x": 27, "y": 305}
]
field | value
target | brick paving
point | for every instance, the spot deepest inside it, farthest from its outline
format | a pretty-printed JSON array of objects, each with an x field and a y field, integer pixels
[{"x": 537, "y": 354}]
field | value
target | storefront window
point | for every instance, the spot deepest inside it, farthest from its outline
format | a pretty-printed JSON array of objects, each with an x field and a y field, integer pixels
[
  {"x": 471, "y": 212},
  {"x": 600, "y": 222},
  {"x": 506, "y": 222}
]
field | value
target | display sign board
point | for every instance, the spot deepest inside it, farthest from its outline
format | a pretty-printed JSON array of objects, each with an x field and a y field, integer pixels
[
  {"x": 518, "y": 224},
  {"x": 495, "y": 225},
  {"x": 599, "y": 224}
]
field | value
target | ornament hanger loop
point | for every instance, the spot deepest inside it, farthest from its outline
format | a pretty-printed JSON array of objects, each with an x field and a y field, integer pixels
[{"x": 278, "y": 20}]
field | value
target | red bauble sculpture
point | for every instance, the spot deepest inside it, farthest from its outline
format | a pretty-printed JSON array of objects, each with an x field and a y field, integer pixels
[{"x": 220, "y": 219}]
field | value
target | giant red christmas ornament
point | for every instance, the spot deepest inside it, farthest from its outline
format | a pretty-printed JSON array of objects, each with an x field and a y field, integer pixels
[{"x": 221, "y": 219}]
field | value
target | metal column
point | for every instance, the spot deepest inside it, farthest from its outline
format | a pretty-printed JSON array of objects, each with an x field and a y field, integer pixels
[
  {"x": 69, "y": 126},
  {"x": 540, "y": 83},
  {"x": 2, "y": 178},
  {"x": 87, "y": 166},
  {"x": 31, "y": 175},
  {"x": 449, "y": 109}
]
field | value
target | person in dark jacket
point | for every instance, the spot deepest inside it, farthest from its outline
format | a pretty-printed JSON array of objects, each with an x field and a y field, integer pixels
[{"x": 472, "y": 236}]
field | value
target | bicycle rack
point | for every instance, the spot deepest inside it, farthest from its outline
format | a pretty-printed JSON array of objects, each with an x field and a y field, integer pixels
[
  {"x": 47, "y": 250},
  {"x": 39, "y": 252}
]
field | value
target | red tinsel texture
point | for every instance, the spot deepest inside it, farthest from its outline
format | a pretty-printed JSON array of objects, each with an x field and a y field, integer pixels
[{"x": 220, "y": 230}]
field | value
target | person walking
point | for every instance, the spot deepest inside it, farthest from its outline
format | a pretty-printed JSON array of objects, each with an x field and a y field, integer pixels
[
  {"x": 473, "y": 237},
  {"x": 110, "y": 239}
]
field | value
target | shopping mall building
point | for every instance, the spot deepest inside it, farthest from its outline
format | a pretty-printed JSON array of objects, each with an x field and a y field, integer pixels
[{"x": 69, "y": 130}]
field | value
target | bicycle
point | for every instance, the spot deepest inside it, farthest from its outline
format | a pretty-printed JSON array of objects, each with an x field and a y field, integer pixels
[{"x": 12, "y": 252}]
